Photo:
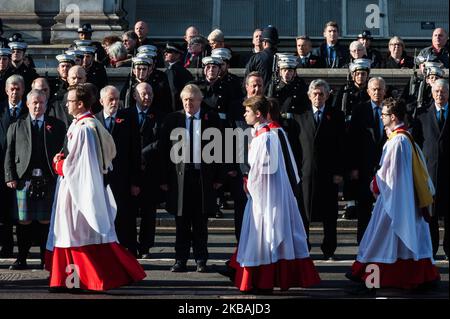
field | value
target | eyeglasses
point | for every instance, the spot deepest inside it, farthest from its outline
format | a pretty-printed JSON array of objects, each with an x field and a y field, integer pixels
[
  {"x": 396, "y": 44},
  {"x": 386, "y": 114}
]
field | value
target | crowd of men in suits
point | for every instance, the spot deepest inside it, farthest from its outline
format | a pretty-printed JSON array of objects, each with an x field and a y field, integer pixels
[{"x": 336, "y": 137}]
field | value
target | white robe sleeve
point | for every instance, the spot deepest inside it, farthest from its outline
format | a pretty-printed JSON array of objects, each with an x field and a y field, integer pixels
[{"x": 85, "y": 182}]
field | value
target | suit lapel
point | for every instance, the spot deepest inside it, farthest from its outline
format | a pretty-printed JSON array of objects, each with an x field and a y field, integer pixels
[{"x": 434, "y": 120}]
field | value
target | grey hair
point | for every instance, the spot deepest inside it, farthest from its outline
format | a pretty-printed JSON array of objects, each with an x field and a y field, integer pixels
[
  {"x": 191, "y": 88},
  {"x": 15, "y": 79},
  {"x": 117, "y": 51},
  {"x": 35, "y": 92},
  {"x": 379, "y": 79},
  {"x": 106, "y": 89},
  {"x": 441, "y": 83},
  {"x": 358, "y": 45},
  {"x": 319, "y": 83}
]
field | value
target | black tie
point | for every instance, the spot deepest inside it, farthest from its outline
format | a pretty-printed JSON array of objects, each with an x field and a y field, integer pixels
[
  {"x": 441, "y": 119},
  {"x": 141, "y": 118},
  {"x": 332, "y": 57},
  {"x": 15, "y": 112},
  {"x": 191, "y": 138},
  {"x": 110, "y": 124},
  {"x": 317, "y": 118},
  {"x": 36, "y": 124},
  {"x": 376, "y": 118}
]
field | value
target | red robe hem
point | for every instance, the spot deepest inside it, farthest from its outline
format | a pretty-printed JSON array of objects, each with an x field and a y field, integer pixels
[
  {"x": 405, "y": 274},
  {"x": 283, "y": 273},
  {"x": 100, "y": 267}
]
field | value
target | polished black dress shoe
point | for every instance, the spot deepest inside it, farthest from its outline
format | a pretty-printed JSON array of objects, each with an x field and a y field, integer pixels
[
  {"x": 19, "y": 265},
  {"x": 201, "y": 266},
  {"x": 146, "y": 256},
  {"x": 349, "y": 275},
  {"x": 179, "y": 266},
  {"x": 361, "y": 291},
  {"x": 219, "y": 214}
]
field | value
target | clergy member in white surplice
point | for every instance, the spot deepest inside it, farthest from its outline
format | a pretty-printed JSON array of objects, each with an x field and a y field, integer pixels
[
  {"x": 273, "y": 250},
  {"x": 397, "y": 238},
  {"x": 82, "y": 241}
]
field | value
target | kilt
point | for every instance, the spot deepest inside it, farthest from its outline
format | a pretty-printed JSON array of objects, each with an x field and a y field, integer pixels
[{"x": 29, "y": 209}]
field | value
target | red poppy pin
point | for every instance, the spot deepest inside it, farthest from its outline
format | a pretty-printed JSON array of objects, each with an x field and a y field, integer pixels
[
  {"x": 48, "y": 127},
  {"x": 312, "y": 62},
  {"x": 206, "y": 117},
  {"x": 151, "y": 115},
  {"x": 328, "y": 117},
  {"x": 118, "y": 121},
  {"x": 402, "y": 61}
]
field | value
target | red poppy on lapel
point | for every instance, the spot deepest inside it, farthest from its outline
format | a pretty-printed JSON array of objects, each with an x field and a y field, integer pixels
[
  {"x": 205, "y": 117},
  {"x": 312, "y": 62},
  {"x": 402, "y": 61},
  {"x": 48, "y": 127},
  {"x": 118, "y": 121},
  {"x": 328, "y": 117},
  {"x": 151, "y": 115}
]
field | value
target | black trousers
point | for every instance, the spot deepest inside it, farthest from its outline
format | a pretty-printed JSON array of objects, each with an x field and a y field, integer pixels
[
  {"x": 125, "y": 222},
  {"x": 192, "y": 225},
  {"x": 329, "y": 214},
  {"x": 146, "y": 205},
  {"x": 364, "y": 208},
  {"x": 240, "y": 200},
  {"x": 7, "y": 200}
]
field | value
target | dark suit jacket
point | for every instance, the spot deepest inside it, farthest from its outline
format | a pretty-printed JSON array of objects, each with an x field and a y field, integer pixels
[
  {"x": 173, "y": 174},
  {"x": 435, "y": 145},
  {"x": 127, "y": 163},
  {"x": 18, "y": 153},
  {"x": 177, "y": 77},
  {"x": 364, "y": 150},
  {"x": 322, "y": 158},
  {"x": 342, "y": 55}
]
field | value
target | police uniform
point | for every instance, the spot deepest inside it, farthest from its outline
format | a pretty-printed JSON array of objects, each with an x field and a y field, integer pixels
[
  {"x": 58, "y": 89},
  {"x": 28, "y": 74},
  {"x": 233, "y": 80},
  {"x": 96, "y": 73},
  {"x": 292, "y": 97},
  {"x": 376, "y": 60},
  {"x": 5, "y": 74},
  {"x": 102, "y": 57},
  {"x": 263, "y": 61}
]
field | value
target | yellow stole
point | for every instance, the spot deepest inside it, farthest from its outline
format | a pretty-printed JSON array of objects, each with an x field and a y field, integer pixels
[{"x": 420, "y": 172}]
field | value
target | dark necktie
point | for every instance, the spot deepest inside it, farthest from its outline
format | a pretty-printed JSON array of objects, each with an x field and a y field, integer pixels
[
  {"x": 332, "y": 57},
  {"x": 376, "y": 117},
  {"x": 36, "y": 124},
  {"x": 317, "y": 117},
  {"x": 191, "y": 138},
  {"x": 141, "y": 118},
  {"x": 110, "y": 123},
  {"x": 15, "y": 112},
  {"x": 441, "y": 119}
]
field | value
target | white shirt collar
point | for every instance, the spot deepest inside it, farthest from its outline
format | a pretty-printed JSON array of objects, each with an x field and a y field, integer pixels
[
  {"x": 315, "y": 109},
  {"x": 441, "y": 108},
  {"x": 19, "y": 105},
  {"x": 105, "y": 115},
  {"x": 374, "y": 105},
  {"x": 197, "y": 115},
  {"x": 40, "y": 118},
  {"x": 141, "y": 110}
]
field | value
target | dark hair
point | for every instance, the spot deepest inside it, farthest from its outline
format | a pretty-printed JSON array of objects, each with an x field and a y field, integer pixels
[
  {"x": 303, "y": 37},
  {"x": 258, "y": 103},
  {"x": 274, "y": 109},
  {"x": 132, "y": 35},
  {"x": 110, "y": 39},
  {"x": 395, "y": 107},
  {"x": 253, "y": 73},
  {"x": 83, "y": 93},
  {"x": 331, "y": 24}
]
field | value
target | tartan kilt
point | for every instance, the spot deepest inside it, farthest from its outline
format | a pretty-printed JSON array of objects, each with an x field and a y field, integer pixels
[{"x": 30, "y": 209}]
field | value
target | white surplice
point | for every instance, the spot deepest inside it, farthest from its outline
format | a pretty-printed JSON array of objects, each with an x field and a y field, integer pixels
[
  {"x": 396, "y": 229},
  {"x": 83, "y": 209},
  {"x": 272, "y": 228}
]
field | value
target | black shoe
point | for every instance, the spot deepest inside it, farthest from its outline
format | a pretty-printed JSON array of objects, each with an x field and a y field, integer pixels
[
  {"x": 350, "y": 213},
  {"x": 59, "y": 290},
  {"x": 219, "y": 214},
  {"x": 361, "y": 290},
  {"x": 201, "y": 266},
  {"x": 19, "y": 265},
  {"x": 330, "y": 258},
  {"x": 179, "y": 266},
  {"x": 349, "y": 275}
]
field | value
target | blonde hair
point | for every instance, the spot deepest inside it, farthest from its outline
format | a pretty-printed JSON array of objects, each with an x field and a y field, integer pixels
[{"x": 191, "y": 88}]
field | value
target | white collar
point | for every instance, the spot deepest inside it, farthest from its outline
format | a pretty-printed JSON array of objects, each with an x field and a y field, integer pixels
[
  {"x": 40, "y": 118},
  {"x": 445, "y": 106},
  {"x": 196, "y": 115},
  {"x": 105, "y": 115},
  {"x": 315, "y": 109},
  {"x": 19, "y": 105}
]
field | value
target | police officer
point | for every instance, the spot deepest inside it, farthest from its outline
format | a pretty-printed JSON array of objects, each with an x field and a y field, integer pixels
[
  {"x": 290, "y": 91},
  {"x": 372, "y": 54},
  {"x": 355, "y": 92},
  {"x": 5, "y": 71},
  {"x": 234, "y": 81},
  {"x": 144, "y": 70},
  {"x": 85, "y": 33},
  {"x": 77, "y": 55},
  {"x": 263, "y": 61},
  {"x": 95, "y": 71},
  {"x": 438, "y": 51},
  {"x": 347, "y": 99},
  {"x": 18, "y": 66}
]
